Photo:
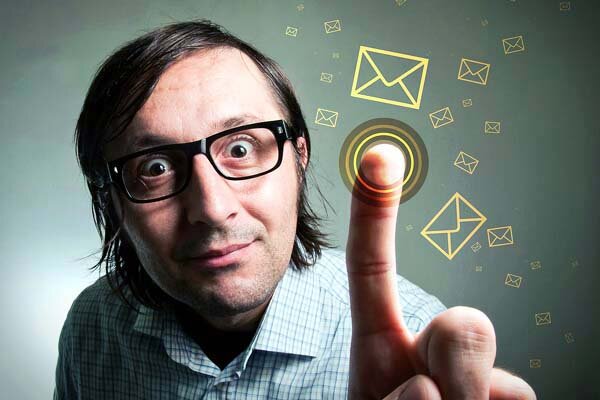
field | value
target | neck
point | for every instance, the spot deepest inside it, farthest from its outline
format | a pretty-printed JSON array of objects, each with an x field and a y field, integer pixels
[{"x": 242, "y": 323}]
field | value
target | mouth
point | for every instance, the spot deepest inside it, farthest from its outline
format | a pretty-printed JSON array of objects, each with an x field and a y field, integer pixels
[{"x": 222, "y": 257}]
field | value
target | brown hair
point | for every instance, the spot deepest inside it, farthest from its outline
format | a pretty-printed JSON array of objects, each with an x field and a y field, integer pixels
[{"x": 119, "y": 89}]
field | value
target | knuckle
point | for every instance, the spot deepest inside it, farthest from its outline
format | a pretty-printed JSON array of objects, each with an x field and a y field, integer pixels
[{"x": 465, "y": 329}]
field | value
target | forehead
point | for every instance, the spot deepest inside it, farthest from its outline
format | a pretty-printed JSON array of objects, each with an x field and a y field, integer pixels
[{"x": 204, "y": 93}]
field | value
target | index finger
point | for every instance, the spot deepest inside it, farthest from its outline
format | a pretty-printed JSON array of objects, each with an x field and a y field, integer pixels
[{"x": 371, "y": 247}]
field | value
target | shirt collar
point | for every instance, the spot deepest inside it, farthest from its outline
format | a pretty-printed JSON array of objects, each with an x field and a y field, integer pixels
[{"x": 292, "y": 321}]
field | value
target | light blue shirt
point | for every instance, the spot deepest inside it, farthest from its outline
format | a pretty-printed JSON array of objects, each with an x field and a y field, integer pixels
[{"x": 301, "y": 349}]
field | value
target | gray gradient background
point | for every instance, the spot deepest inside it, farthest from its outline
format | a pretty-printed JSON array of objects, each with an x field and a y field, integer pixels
[{"x": 540, "y": 175}]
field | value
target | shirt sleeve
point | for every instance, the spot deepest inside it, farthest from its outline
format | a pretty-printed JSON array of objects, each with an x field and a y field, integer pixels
[
  {"x": 418, "y": 306},
  {"x": 65, "y": 386}
]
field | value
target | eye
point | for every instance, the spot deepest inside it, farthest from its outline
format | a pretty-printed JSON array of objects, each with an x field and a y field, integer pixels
[
  {"x": 155, "y": 167},
  {"x": 239, "y": 148}
]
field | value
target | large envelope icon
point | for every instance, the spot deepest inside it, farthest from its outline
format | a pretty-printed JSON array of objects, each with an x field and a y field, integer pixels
[
  {"x": 441, "y": 117},
  {"x": 396, "y": 91},
  {"x": 332, "y": 26},
  {"x": 464, "y": 220},
  {"x": 466, "y": 162},
  {"x": 501, "y": 236},
  {"x": 513, "y": 44},
  {"x": 326, "y": 117},
  {"x": 513, "y": 280},
  {"x": 543, "y": 318},
  {"x": 473, "y": 71}
]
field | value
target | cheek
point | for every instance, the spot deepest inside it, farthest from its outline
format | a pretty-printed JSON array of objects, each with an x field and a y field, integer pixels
[{"x": 151, "y": 228}]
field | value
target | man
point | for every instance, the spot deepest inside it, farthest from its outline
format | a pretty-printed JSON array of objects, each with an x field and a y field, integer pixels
[{"x": 196, "y": 150}]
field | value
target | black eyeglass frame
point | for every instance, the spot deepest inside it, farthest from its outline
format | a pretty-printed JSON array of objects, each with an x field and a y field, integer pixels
[{"x": 280, "y": 129}]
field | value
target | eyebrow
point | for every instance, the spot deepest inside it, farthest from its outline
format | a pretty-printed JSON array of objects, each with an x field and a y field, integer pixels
[{"x": 150, "y": 139}]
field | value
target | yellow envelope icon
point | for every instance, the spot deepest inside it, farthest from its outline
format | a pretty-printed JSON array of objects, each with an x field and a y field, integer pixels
[
  {"x": 393, "y": 85},
  {"x": 441, "y": 117},
  {"x": 513, "y": 280},
  {"x": 291, "y": 31},
  {"x": 535, "y": 363},
  {"x": 564, "y": 5},
  {"x": 460, "y": 220},
  {"x": 332, "y": 26},
  {"x": 473, "y": 71},
  {"x": 569, "y": 338},
  {"x": 467, "y": 103},
  {"x": 513, "y": 44},
  {"x": 326, "y": 117},
  {"x": 535, "y": 264},
  {"x": 325, "y": 77},
  {"x": 500, "y": 236},
  {"x": 543, "y": 318},
  {"x": 466, "y": 162},
  {"x": 491, "y": 127}
]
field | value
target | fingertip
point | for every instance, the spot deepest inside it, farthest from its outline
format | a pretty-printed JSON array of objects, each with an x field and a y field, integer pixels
[{"x": 383, "y": 164}]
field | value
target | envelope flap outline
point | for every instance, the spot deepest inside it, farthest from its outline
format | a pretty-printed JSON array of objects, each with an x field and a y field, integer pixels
[
  {"x": 467, "y": 159},
  {"x": 453, "y": 202},
  {"x": 506, "y": 233},
  {"x": 512, "y": 42},
  {"x": 447, "y": 115},
  {"x": 472, "y": 65}
]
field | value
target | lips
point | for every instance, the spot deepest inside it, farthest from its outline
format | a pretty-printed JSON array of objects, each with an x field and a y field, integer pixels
[
  {"x": 222, "y": 251},
  {"x": 221, "y": 257}
]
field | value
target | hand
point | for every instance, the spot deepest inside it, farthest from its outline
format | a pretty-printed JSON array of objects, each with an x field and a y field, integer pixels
[{"x": 452, "y": 358}]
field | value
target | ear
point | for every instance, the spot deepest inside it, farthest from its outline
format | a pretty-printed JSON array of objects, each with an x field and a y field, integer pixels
[{"x": 302, "y": 149}]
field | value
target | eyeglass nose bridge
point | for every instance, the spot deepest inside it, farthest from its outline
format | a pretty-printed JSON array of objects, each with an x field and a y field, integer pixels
[{"x": 197, "y": 147}]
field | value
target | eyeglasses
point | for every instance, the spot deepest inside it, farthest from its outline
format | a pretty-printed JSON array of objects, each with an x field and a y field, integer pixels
[{"x": 239, "y": 153}]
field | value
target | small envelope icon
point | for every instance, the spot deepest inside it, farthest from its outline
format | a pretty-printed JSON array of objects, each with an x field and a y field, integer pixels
[
  {"x": 535, "y": 363},
  {"x": 473, "y": 71},
  {"x": 441, "y": 117},
  {"x": 393, "y": 85},
  {"x": 564, "y": 5},
  {"x": 535, "y": 264},
  {"x": 467, "y": 103},
  {"x": 466, "y": 162},
  {"x": 491, "y": 127},
  {"x": 513, "y": 280},
  {"x": 332, "y": 26},
  {"x": 513, "y": 44},
  {"x": 543, "y": 318},
  {"x": 569, "y": 338},
  {"x": 325, "y": 77},
  {"x": 326, "y": 117},
  {"x": 291, "y": 31},
  {"x": 501, "y": 236},
  {"x": 460, "y": 221}
]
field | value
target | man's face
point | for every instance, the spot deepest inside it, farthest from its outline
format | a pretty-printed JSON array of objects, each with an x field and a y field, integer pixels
[{"x": 195, "y": 98}]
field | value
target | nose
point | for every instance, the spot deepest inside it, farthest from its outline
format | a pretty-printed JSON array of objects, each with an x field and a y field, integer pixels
[{"x": 209, "y": 197}]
